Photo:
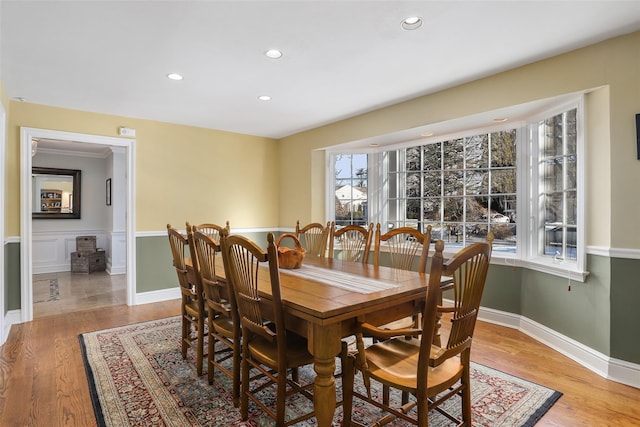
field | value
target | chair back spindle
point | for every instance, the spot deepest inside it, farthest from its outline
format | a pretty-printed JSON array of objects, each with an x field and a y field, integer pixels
[
  {"x": 354, "y": 242},
  {"x": 313, "y": 238}
]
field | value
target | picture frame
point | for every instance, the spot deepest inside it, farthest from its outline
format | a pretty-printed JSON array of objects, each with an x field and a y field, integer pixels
[{"x": 108, "y": 191}]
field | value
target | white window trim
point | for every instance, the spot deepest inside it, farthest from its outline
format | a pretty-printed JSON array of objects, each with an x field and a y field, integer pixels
[
  {"x": 530, "y": 258},
  {"x": 526, "y": 253}
]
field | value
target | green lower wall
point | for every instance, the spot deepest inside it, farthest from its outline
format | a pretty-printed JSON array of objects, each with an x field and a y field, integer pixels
[
  {"x": 625, "y": 313},
  {"x": 502, "y": 290},
  {"x": 154, "y": 268},
  {"x": 601, "y": 313},
  {"x": 582, "y": 313},
  {"x": 11, "y": 277}
]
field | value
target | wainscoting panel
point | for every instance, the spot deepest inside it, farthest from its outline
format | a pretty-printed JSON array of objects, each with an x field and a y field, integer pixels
[
  {"x": 52, "y": 251},
  {"x": 117, "y": 259}
]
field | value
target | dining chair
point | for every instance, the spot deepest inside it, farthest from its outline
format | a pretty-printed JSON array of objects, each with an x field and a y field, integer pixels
[
  {"x": 222, "y": 315},
  {"x": 354, "y": 242},
  {"x": 192, "y": 302},
  {"x": 267, "y": 345},
  {"x": 461, "y": 274},
  {"x": 433, "y": 375},
  {"x": 313, "y": 238},
  {"x": 212, "y": 230},
  {"x": 404, "y": 245}
]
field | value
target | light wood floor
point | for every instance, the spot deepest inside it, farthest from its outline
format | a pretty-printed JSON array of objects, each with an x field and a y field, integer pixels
[{"x": 43, "y": 382}]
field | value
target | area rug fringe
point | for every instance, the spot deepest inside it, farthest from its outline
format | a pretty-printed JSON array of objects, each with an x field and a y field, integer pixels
[{"x": 137, "y": 377}]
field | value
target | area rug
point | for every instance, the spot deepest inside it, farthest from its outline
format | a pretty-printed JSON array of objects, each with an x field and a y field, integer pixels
[{"x": 137, "y": 378}]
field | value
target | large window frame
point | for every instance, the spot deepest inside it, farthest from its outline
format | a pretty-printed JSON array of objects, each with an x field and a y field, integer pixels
[{"x": 529, "y": 248}]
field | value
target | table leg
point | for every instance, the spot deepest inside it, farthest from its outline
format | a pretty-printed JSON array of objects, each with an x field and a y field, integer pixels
[{"x": 324, "y": 344}]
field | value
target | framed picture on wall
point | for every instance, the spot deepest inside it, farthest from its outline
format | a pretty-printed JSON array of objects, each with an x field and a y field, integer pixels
[{"x": 108, "y": 191}]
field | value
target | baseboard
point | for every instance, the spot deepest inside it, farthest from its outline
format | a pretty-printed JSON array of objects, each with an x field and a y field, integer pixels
[
  {"x": 612, "y": 369},
  {"x": 59, "y": 268},
  {"x": 624, "y": 372},
  {"x": 114, "y": 271},
  {"x": 157, "y": 296},
  {"x": 11, "y": 318}
]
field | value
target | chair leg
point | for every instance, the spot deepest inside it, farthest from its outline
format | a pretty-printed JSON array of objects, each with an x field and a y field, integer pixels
[
  {"x": 211, "y": 355},
  {"x": 185, "y": 335},
  {"x": 423, "y": 412},
  {"x": 347, "y": 385},
  {"x": 466, "y": 397},
  {"x": 236, "y": 372},
  {"x": 405, "y": 398},
  {"x": 244, "y": 397},
  {"x": 281, "y": 393},
  {"x": 200, "y": 344}
]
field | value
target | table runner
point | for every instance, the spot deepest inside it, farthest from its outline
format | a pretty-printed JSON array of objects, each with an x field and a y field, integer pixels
[{"x": 340, "y": 279}]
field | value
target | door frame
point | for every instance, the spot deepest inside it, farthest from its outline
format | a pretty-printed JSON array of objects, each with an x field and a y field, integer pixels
[
  {"x": 26, "y": 256},
  {"x": 3, "y": 170}
]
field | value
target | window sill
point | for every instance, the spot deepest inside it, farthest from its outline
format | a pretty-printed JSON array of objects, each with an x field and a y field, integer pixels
[{"x": 559, "y": 268}]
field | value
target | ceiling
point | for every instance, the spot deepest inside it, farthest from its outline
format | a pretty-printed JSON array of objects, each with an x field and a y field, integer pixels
[{"x": 340, "y": 58}]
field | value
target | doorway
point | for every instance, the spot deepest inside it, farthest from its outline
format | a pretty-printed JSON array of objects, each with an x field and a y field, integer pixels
[{"x": 124, "y": 146}]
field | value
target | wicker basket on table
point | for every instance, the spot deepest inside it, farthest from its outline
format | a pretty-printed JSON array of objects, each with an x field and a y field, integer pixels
[{"x": 290, "y": 258}]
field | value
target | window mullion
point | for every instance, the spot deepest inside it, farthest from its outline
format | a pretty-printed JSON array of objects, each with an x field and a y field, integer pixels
[{"x": 565, "y": 183}]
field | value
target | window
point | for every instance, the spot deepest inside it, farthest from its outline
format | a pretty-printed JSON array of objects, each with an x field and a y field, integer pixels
[
  {"x": 522, "y": 182},
  {"x": 350, "y": 189},
  {"x": 558, "y": 185},
  {"x": 462, "y": 187}
]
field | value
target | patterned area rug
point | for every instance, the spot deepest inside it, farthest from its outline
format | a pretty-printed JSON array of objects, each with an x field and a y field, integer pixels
[{"x": 137, "y": 378}]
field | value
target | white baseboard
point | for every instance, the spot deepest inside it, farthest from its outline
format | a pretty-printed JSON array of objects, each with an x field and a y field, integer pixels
[
  {"x": 114, "y": 271},
  {"x": 11, "y": 318},
  {"x": 157, "y": 296},
  {"x": 57, "y": 268},
  {"x": 624, "y": 372},
  {"x": 613, "y": 369}
]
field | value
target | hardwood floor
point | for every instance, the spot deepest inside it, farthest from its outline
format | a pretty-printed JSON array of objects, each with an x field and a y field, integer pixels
[{"x": 43, "y": 382}]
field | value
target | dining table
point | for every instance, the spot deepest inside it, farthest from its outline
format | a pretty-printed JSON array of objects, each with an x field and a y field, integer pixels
[{"x": 326, "y": 298}]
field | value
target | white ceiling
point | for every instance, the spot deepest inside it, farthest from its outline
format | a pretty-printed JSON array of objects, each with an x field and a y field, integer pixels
[{"x": 341, "y": 58}]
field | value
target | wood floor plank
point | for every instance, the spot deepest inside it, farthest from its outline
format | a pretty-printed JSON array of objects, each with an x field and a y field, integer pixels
[{"x": 43, "y": 382}]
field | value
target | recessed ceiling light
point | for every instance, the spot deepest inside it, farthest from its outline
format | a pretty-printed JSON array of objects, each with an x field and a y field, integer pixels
[
  {"x": 500, "y": 119},
  {"x": 412, "y": 23},
  {"x": 174, "y": 76},
  {"x": 264, "y": 98},
  {"x": 273, "y": 53},
  {"x": 426, "y": 134},
  {"x": 374, "y": 144}
]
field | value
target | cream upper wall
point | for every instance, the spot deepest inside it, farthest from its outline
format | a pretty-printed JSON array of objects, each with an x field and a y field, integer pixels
[
  {"x": 610, "y": 151},
  {"x": 183, "y": 173}
]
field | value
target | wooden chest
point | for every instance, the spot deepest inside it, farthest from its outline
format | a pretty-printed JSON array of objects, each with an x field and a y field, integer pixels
[
  {"x": 84, "y": 262},
  {"x": 85, "y": 244}
]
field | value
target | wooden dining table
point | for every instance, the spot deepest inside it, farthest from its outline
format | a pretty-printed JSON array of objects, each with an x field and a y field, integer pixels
[{"x": 325, "y": 299}]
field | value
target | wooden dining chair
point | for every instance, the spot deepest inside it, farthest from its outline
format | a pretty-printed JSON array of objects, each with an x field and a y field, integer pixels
[
  {"x": 433, "y": 375},
  {"x": 212, "y": 230},
  {"x": 404, "y": 245},
  {"x": 222, "y": 314},
  {"x": 192, "y": 302},
  {"x": 354, "y": 242},
  {"x": 267, "y": 345},
  {"x": 313, "y": 238}
]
